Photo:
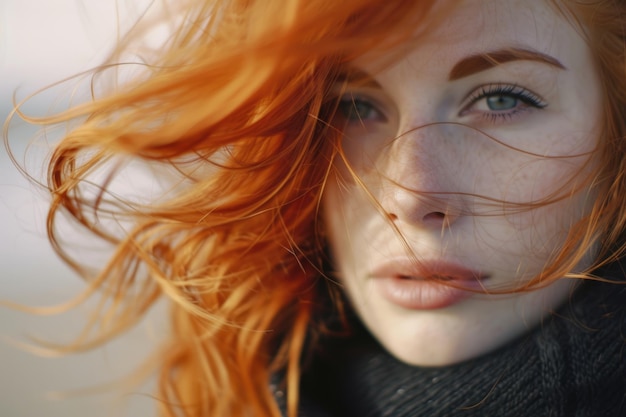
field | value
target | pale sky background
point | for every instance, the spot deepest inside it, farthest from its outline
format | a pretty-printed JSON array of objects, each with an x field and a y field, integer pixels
[{"x": 42, "y": 41}]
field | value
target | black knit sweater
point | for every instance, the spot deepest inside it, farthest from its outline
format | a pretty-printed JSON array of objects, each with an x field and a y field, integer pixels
[{"x": 572, "y": 365}]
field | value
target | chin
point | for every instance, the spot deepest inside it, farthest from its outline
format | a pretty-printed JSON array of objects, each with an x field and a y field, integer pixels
[
  {"x": 444, "y": 357},
  {"x": 437, "y": 345}
]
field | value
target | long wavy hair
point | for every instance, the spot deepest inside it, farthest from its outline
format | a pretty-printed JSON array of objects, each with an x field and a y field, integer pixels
[{"x": 239, "y": 102}]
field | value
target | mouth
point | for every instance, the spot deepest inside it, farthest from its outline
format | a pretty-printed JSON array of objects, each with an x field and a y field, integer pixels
[
  {"x": 426, "y": 285},
  {"x": 408, "y": 269},
  {"x": 434, "y": 277}
]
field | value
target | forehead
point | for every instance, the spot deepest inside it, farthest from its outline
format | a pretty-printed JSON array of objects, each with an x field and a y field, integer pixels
[
  {"x": 457, "y": 29},
  {"x": 509, "y": 18}
]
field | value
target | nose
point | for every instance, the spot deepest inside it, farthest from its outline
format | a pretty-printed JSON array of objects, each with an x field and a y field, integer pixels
[
  {"x": 421, "y": 208},
  {"x": 421, "y": 184}
]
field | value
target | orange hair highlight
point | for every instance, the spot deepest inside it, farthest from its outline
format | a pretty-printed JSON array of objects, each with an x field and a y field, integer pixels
[{"x": 243, "y": 88}]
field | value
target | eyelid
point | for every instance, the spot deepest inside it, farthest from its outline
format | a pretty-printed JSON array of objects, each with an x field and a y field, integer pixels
[{"x": 364, "y": 93}]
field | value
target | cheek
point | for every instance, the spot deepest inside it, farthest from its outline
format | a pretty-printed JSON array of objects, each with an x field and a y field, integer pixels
[
  {"x": 528, "y": 238},
  {"x": 352, "y": 224},
  {"x": 520, "y": 179},
  {"x": 336, "y": 202}
]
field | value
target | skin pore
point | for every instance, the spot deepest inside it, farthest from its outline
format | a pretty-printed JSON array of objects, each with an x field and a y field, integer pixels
[{"x": 495, "y": 108}]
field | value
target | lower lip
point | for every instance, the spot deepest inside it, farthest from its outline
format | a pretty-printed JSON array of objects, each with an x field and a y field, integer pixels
[{"x": 418, "y": 294}]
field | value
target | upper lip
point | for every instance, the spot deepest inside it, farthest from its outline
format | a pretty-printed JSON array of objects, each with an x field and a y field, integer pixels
[{"x": 425, "y": 269}]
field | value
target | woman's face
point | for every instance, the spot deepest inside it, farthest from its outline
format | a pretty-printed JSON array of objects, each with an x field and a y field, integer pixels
[{"x": 449, "y": 149}]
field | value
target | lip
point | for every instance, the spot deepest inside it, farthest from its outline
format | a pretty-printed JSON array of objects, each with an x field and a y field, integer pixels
[{"x": 417, "y": 285}]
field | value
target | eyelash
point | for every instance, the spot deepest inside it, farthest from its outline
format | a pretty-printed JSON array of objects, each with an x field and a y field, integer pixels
[{"x": 529, "y": 99}]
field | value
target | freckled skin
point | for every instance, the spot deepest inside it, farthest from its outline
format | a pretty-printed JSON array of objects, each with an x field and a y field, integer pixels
[{"x": 460, "y": 163}]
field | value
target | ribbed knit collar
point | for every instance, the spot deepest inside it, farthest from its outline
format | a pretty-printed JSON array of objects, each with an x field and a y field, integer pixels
[{"x": 572, "y": 365}]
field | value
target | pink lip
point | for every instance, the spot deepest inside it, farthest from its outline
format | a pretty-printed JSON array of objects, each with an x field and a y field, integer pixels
[{"x": 415, "y": 285}]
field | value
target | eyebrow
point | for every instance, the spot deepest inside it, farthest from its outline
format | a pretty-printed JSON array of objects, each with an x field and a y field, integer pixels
[
  {"x": 481, "y": 62},
  {"x": 358, "y": 77}
]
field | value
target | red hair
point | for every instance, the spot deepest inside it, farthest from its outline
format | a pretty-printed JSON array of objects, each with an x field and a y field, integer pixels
[{"x": 244, "y": 88}]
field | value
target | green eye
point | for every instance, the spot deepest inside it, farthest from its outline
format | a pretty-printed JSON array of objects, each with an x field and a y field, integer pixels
[
  {"x": 501, "y": 102},
  {"x": 357, "y": 110}
]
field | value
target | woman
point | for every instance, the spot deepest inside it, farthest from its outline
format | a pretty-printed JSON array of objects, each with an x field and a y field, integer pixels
[{"x": 444, "y": 173}]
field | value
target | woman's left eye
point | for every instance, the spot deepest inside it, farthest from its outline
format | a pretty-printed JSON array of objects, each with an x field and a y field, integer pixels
[
  {"x": 355, "y": 109},
  {"x": 497, "y": 102}
]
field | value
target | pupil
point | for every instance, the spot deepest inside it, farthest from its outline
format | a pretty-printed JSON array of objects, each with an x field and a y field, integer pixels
[
  {"x": 501, "y": 102},
  {"x": 359, "y": 110}
]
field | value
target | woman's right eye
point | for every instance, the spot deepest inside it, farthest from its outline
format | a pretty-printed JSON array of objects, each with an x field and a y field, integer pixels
[{"x": 359, "y": 110}]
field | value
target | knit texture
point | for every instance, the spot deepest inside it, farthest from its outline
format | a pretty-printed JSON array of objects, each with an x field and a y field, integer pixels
[{"x": 572, "y": 365}]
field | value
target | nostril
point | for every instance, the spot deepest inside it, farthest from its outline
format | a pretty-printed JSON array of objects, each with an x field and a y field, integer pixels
[{"x": 434, "y": 216}]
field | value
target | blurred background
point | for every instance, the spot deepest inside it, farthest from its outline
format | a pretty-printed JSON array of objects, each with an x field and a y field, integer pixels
[{"x": 43, "y": 41}]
